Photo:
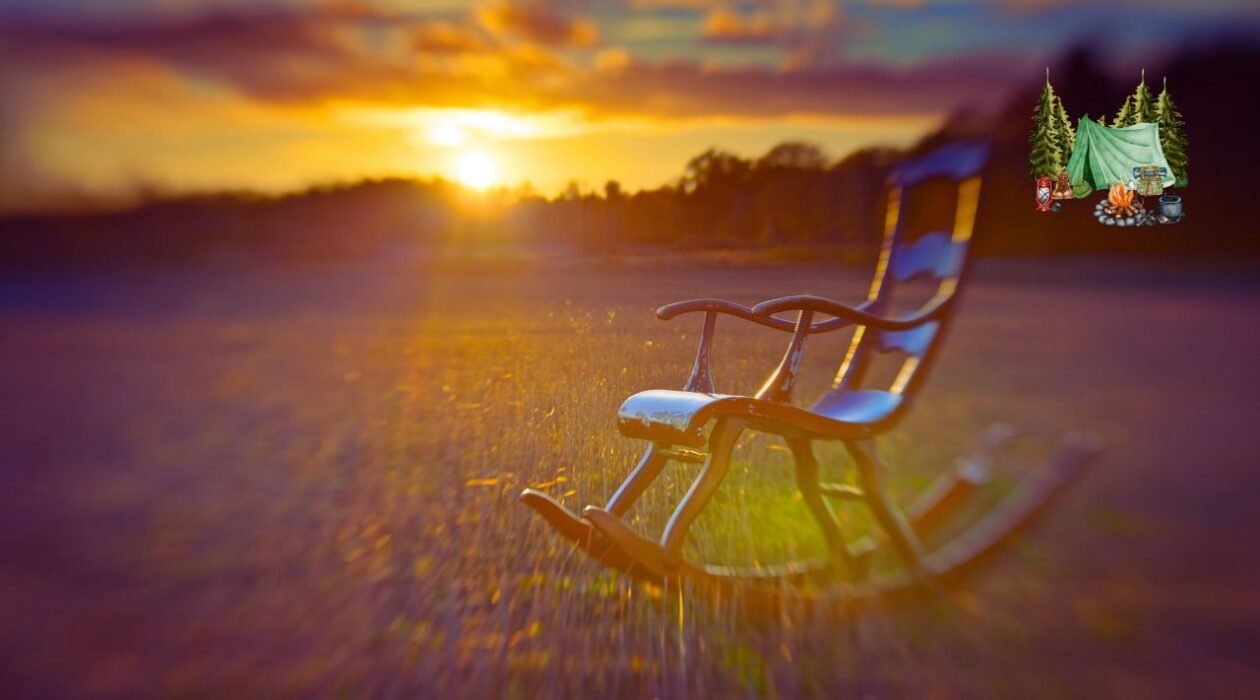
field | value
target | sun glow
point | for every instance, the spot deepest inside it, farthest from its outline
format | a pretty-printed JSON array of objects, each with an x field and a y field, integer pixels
[
  {"x": 476, "y": 169},
  {"x": 447, "y": 134},
  {"x": 452, "y": 128}
]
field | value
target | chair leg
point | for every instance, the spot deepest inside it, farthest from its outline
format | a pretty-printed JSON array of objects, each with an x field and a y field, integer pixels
[
  {"x": 721, "y": 443},
  {"x": 807, "y": 482},
  {"x": 886, "y": 512},
  {"x": 632, "y": 488}
]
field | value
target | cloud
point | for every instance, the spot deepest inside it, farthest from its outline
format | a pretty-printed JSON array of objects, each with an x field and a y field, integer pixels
[
  {"x": 687, "y": 90},
  {"x": 1201, "y": 9},
  {"x": 789, "y": 24},
  {"x": 537, "y": 22},
  {"x": 347, "y": 54},
  {"x": 913, "y": 4},
  {"x": 676, "y": 4},
  {"x": 612, "y": 59},
  {"x": 260, "y": 50},
  {"x": 448, "y": 38},
  {"x": 327, "y": 53},
  {"x": 727, "y": 25}
]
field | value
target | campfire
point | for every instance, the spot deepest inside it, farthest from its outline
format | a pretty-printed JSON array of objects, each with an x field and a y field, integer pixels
[
  {"x": 1120, "y": 202},
  {"x": 1122, "y": 208}
]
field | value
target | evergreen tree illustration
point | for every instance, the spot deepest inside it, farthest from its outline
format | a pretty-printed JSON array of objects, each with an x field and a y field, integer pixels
[
  {"x": 1066, "y": 134},
  {"x": 1172, "y": 135},
  {"x": 1044, "y": 157},
  {"x": 1143, "y": 103},
  {"x": 1124, "y": 117}
]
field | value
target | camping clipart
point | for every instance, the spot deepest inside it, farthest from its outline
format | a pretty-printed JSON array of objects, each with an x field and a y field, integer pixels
[{"x": 1140, "y": 155}]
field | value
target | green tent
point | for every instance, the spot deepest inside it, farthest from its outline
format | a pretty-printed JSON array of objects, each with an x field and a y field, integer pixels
[{"x": 1104, "y": 156}]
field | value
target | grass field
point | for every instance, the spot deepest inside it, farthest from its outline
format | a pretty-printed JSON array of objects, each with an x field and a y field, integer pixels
[{"x": 301, "y": 481}]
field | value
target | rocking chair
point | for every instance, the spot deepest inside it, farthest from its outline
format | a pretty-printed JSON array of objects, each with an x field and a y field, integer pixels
[{"x": 674, "y": 422}]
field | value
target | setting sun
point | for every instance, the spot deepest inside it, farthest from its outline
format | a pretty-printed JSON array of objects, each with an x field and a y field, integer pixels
[{"x": 477, "y": 170}]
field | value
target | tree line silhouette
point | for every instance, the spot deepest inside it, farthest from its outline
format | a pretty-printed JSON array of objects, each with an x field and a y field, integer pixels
[{"x": 792, "y": 195}]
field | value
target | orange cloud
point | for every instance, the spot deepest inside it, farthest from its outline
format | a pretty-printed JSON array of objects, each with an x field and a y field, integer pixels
[
  {"x": 788, "y": 24},
  {"x": 612, "y": 59},
  {"x": 725, "y": 24},
  {"x": 537, "y": 22},
  {"x": 447, "y": 38}
]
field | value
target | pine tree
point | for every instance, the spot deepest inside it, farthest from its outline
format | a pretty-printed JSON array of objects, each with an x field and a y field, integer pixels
[
  {"x": 1044, "y": 157},
  {"x": 1066, "y": 134},
  {"x": 1124, "y": 117},
  {"x": 1138, "y": 108},
  {"x": 1143, "y": 103},
  {"x": 1172, "y": 135}
]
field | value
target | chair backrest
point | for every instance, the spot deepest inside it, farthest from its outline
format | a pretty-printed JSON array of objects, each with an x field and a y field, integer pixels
[{"x": 939, "y": 256}]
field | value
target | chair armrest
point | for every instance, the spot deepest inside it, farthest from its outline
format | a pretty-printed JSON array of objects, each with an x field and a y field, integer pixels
[
  {"x": 701, "y": 379},
  {"x": 730, "y": 308},
  {"x": 779, "y": 386},
  {"x": 849, "y": 314}
]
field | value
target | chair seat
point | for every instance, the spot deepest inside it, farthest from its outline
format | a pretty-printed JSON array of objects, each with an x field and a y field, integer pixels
[{"x": 679, "y": 417}]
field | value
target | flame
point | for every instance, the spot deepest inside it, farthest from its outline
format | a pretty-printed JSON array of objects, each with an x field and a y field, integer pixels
[{"x": 1120, "y": 197}]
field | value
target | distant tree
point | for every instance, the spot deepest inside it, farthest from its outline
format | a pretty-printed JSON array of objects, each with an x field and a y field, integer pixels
[
  {"x": 795, "y": 154},
  {"x": 525, "y": 190},
  {"x": 714, "y": 168},
  {"x": 716, "y": 187},
  {"x": 572, "y": 191},
  {"x": 612, "y": 191},
  {"x": 787, "y": 200},
  {"x": 1172, "y": 135},
  {"x": 1044, "y": 157}
]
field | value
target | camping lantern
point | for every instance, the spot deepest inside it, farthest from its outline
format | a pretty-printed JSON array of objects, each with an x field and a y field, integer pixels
[{"x": 1044, "y": 190}]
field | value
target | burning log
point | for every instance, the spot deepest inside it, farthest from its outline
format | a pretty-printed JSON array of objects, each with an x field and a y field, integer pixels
[{"x": 1120, "y": 202}]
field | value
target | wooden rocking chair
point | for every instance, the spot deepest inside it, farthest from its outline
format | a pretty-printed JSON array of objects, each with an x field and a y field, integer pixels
[{"x": 673, "y": 422}]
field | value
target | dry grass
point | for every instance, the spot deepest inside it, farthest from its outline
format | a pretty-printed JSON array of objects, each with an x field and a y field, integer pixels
[{"x": 303, "y": 481}]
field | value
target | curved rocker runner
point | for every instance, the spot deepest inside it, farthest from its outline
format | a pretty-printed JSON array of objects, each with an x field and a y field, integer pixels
[{"x": 853, "y": 413}]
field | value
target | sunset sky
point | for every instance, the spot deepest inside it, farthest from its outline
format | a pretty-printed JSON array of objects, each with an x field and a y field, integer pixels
[{"x": 109, "y": 97}]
